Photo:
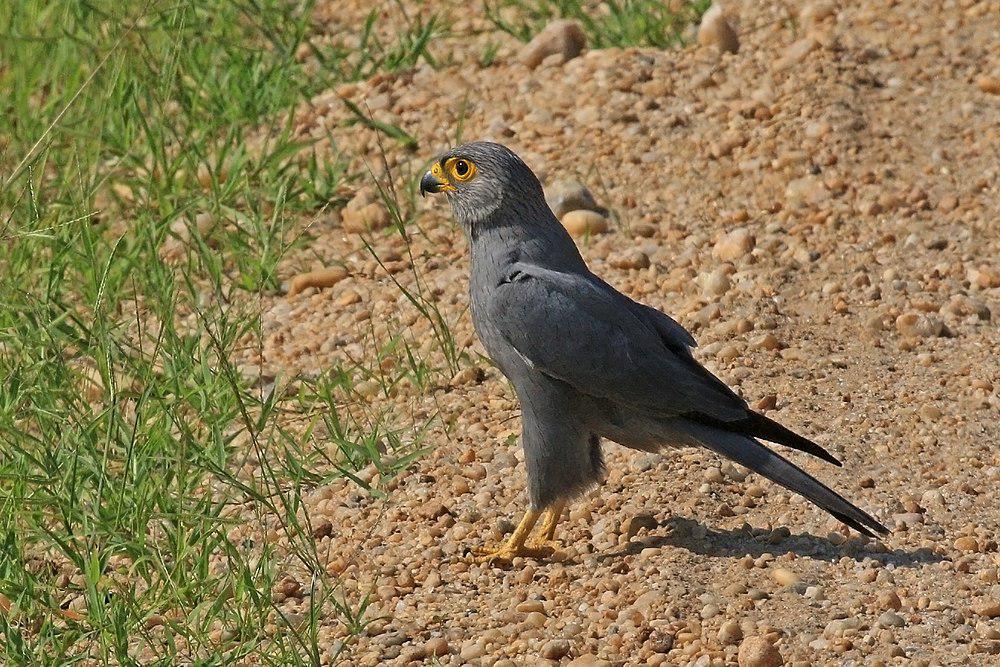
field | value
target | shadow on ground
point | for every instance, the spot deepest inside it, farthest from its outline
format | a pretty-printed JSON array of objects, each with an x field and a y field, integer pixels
[{"x": 697, "y": 538}]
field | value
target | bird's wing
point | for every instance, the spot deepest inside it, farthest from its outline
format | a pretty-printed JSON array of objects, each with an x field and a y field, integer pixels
[{"x": 578, "y": 330}]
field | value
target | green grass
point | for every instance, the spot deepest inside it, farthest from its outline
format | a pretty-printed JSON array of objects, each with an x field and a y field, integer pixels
[
  {"x": 130, "y": 445},
  {"x": 152, "y": 494},
  {"x": 609, "y": 23}
]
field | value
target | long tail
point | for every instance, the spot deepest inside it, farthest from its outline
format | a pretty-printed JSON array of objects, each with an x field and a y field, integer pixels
[
  {"x": 755, "y": 456},
  {"x": 757, "y": 425}
]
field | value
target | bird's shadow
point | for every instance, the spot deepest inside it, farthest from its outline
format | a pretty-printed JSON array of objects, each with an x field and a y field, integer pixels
[{"x": 689, "y": 534}]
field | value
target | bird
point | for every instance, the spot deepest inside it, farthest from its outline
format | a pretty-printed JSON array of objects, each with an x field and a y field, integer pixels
[{"x": 586, "y": 362}]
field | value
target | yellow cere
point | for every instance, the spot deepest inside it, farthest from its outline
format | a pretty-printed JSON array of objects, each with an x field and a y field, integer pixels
[{"x": 438, "y": 172}]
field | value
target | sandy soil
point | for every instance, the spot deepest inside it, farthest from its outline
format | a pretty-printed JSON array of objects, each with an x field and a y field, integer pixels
[{"x": 851, "y": 153}]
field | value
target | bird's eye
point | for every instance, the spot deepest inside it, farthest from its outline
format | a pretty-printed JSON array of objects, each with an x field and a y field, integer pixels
[{"x": 461, "y": 169}]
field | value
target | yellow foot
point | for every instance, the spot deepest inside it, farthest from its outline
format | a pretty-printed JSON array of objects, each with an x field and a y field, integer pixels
[{"x": 506, "y": 554}]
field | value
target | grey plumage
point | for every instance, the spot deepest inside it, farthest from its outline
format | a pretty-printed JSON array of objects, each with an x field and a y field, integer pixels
[{"x": 586, "y": 361}]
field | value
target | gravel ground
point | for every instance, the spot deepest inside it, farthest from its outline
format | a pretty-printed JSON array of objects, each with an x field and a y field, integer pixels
[{"x": 821, "y": 210}]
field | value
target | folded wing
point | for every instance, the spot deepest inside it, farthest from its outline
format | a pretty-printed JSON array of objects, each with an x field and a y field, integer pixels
[{"x": 584, "y": 333}]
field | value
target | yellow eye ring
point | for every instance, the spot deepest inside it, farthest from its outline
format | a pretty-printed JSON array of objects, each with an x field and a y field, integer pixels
[{"x": 461, "y": 169}]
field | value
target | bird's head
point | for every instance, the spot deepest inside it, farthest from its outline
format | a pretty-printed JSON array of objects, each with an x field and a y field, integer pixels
[{"x": 481, "y": 178}]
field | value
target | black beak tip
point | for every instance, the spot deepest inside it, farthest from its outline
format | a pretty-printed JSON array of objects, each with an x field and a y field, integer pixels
[{"x": 428, "y": 184}]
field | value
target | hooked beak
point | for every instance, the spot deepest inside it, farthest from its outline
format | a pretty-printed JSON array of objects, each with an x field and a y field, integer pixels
[{"x": 434, "y": 182}]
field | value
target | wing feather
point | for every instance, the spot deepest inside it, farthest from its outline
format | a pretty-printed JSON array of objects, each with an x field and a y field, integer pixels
[{"x": 583, "y": 332}]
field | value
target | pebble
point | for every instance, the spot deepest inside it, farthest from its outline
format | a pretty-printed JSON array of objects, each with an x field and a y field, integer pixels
[
  {"x": 758, "y": 652},
  {"x": 565, "y": 196},
  {"x": 564, "y": 38},
  {"x": 768, "y": 342},
  {"x": 815, "y": 593},
  {"x": 531, "y": 606},
  {"x": 554, "y": 649},
  {"x": 714, "y": 284},
  {"x": 364, "y": 213},
  {"x": 713, "y": 475},
  {"x": 584, "y": 223},
  {"x": 966, "y": 543},
  {"x": 918, "y": 325},
  {"x": 891, "y": 619},
  {"x": 471, "y": 650},
  {"x": 889, "y": 600},
  {"x": 989, "y": 609},
  {"x": 630, "y": 259},
  {"x": 785, "y": 577},
  {"x": 715, "y": 30},
  {"x": 436, "y": 647},
  {"x": 319, "y": 279},
  {"x": 989, "y": 84},
  {"x": 734, "y": 245},
  {"x": 813, "y": 13},
  {"x": 730, "y": 632}
]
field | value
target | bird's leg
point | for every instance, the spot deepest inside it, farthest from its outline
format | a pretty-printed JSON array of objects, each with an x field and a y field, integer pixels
[
  {"x": 515, "y": 545},
  {"x": 550, "y": 520}
]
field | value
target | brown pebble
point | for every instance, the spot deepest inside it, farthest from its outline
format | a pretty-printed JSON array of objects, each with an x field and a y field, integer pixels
[
  {"x": 554, "y": 649},
  {"x": 989, "y": 609},
  {"x": 758, "y": 652},
  {"x": 436, "y": 646},
  {"x": 583, "y": 223},
  {"x": 319, "y": 279},
  {"x": 563, "y": 38},
  {"x": 966, "y": 543},
  {"x": 715, "y": 30},
  {"x": 989, "y": 84}
]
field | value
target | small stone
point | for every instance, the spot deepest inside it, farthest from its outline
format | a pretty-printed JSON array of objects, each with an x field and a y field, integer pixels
[
  {"x": 713, "y": 475},
  {"x": 565, "y": 196},
  {"x": 785, "y": 577},
  {"x": 758, "y": 652},
  {"x": 554, "y": 649},
  {"x": 813, "y": 13},
  {"x": 436, "y": 646},
  {"x": 630, "y": 259},
  {"x": 364, "y": 213},
  {"x": 966, "y": 543},
  {"x": 531, "y": 606},
  {"x": 918, "y": 325},
  {"x": 983, "y": 277},
  {"x": 931, "y": 413},
  {"x": 730, "y": 632},
  {"x": 563, "y": 38},
  {"x": 471, "y": 650},
  {"x": 815, "y": 593},
  {"x": 769, "y": 402},
  {"x": 587, "y": 660},
  {"x": 583, "y": 223},
  {"x": 714, "y": 284},
  {"x": 715, "y": 30},
  {"x": 989, "y": 609},
  {"x": 891, "y": 619},
  {"x": 806, "y": 191},
  {"x": 889, "y": 600},
  {"x": 319, "y": 279},
  {"x": 734, "y": 245},
  {"x": 989, "y": 84},
  {"x": 768, "y": 342},
  {"x": 348, "y": 298}
]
